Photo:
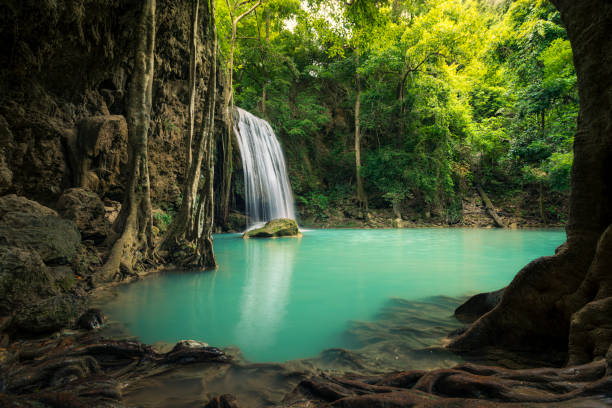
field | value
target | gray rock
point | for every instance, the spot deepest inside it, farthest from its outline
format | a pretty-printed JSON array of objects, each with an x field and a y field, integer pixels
[
  {"x": 12, "y": 203},
  {"x": 24, "y": 279},
  {"x": 56, "y": 240},
  {"x": 50, "y": 314},
  {"x": 282, "y": 227},
  {"x": 86, "y": 209}
]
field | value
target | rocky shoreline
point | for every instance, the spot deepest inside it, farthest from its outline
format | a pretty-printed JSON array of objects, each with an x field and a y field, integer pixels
[{"x": 52, "y": 353}]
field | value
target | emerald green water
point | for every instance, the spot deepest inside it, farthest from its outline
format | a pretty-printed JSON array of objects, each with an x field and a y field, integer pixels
[{"x": 290, "y": 298}]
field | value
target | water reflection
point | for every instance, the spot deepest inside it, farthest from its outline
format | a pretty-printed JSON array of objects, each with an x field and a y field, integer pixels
[{"x": 265, "y": 295}]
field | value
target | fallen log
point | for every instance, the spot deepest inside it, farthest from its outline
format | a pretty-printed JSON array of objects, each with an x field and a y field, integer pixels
[{"x": 499, "y": 223}]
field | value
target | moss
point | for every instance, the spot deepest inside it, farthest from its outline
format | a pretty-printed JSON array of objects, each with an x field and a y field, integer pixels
[
  {"x": 282, "y": 227},
  {"x": 66, "y": 283}
]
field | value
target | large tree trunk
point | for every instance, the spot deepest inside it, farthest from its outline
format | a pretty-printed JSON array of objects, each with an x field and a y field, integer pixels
[
  {"x": 361, "y": 196},
  {"x": 183, "y": 229},
  {"x": 565, "y": 301},
  {"x": 193, "y": 51},
  {"x": 133, "y": 227},
  {"x": 186, "y": 228},
  {"x": 205, "y": 256}
]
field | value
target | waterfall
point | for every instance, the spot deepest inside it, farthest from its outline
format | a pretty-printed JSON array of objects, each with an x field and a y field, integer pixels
[{"x": 267, "y": 189}]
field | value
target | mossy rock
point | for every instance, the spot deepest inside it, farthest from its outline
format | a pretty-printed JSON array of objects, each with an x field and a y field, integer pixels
[{"x": 282, "y": 227}]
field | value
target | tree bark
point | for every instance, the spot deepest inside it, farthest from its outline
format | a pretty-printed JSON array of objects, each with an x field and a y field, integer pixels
[
  {"x": 563, "y": 302},
  {"x": 361, "y": 196},
  {"x": 193, "y": 50},
  {"x": 132, "y": 229},
  {"x": 499, "y": 223},
  {"x": 205, "y": 256},
  {"x": 190, "y": 222},
  {"x": 183, "y": 229}
]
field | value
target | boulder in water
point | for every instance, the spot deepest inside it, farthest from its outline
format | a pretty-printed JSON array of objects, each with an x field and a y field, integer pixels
[{"x": 282, "y": 227}]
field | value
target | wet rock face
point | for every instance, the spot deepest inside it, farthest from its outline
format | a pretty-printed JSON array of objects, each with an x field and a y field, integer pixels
[
  {"x": 49, "y": 314},
  {"x": 101, "y": 153},
  {"x": 37, "y": 248},
  {"x": 54, "y": 239},
  {"x": 283, "y": 227},
  {"x": 29, "y": 225},
  {"x": 24, "y": 279},
  {"x": 86, "y": 210},
  {"x": 92, "y": 319}
]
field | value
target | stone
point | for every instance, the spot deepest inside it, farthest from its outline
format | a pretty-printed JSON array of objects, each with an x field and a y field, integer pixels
[
  {"x": 224, "y": 401},
  {"x": 282, "y": 227},
  {"x": 24, "y": 278},
  {"x": 236, "y": 221},
  {"x": 398, "y": 223},
  {"x": 50, "y": 314},
  {"x": 27, "y": 224},
  {"x": 87, "y": 210},
  {"x": 101, "y": 150},
  {"x": 6, "y": 141},
  {"x": 192, "y": 351},
  {"x": 478, "y": 305},
  {"x": 92, "y": 319},
  {"x": 12, "y": 203},
  {"x": 56, "y": 240}
]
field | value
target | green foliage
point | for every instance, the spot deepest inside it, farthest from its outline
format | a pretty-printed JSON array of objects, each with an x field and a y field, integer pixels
[{"x": 452, "y": 92}]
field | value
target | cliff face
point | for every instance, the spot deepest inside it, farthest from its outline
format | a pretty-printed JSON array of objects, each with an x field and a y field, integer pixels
[{"x": 63, "y": 90}]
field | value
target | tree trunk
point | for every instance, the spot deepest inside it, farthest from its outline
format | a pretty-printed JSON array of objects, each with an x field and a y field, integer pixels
[
  {"x": 183, "y": 230},
  {"x": 191, "y": 222},
  {"x": 193, "y": 50},
  {"x": 133, "y": 226},
  {"x": 564, "y": 302},
  {"x": 205, "y": 256},
  {"x": 541, "y": 201},
  {"x": 499, "y": 223},
  {"x": 361, "y": 197}
]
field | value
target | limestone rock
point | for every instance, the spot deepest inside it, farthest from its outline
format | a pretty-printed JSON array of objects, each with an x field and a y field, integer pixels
[
  {"x": 101, "y": 153},
  {"x": 86, "y": 210},
  {"x": 92, "y": 319},
  {"x": 282, "y": 227},
  {"x": 236, "y": 222},
  {"x": 224, "y": 401},
  {"x": 14, "y": 204},
  {"x": 56, "y": 240},
  {"x": 49, "y": 314},
  {"x": 24, "y": 278}
]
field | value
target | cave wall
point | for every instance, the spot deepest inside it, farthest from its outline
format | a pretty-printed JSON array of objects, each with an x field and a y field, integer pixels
[{"x": 68, "y": 66}]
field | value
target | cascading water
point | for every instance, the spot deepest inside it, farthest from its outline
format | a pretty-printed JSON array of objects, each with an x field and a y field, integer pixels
[{"x": 267, "y": 189}]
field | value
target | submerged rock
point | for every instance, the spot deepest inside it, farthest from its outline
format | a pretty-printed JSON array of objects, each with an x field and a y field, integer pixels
[{"x": 282, "y": 227}]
